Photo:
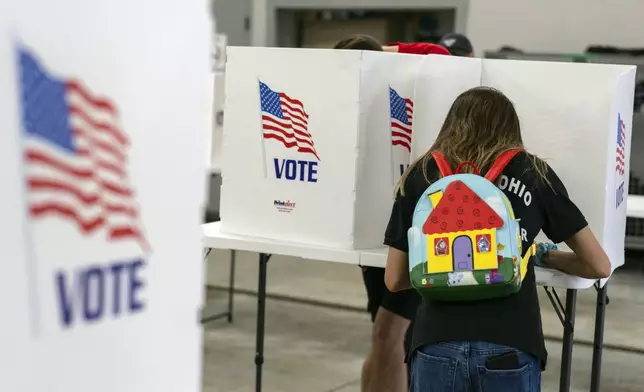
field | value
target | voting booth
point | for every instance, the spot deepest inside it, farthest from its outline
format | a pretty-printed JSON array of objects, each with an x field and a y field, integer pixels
[
  {"x": 314, "y": 142},
  {"x": 577, "y": 117},
  {"x": 103, "y": 171}
]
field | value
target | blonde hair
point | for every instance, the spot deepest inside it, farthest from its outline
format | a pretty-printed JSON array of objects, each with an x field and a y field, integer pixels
[{"x": 480, "y": 126}]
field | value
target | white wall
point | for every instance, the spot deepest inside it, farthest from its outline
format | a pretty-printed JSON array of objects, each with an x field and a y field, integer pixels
[
  {"x": 231, "y": 20},
  {"x": 555, "y": 25},
  {"x": 325, "y": 33}
]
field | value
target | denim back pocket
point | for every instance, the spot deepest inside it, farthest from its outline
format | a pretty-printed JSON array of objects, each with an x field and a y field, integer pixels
[
  {"x": 525, "y": 378},
  {"x": 433, "y": 374}
]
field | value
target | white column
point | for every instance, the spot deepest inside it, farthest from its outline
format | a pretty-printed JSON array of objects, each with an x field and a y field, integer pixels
[
  {"x": 258, "y": 23},
  {"x": 212, "y": 13}
]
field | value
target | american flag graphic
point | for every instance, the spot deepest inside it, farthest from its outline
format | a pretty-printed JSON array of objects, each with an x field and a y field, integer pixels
[
  {"x": 620, "y": 156},
  {"x": 402, "y": 112},
  {"x": 285, "y": 120},
  {"x": 75, "y": 155}
]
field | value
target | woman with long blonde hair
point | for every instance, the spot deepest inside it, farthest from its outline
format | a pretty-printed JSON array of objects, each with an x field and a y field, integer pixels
[{"x": 492, "y": 345}]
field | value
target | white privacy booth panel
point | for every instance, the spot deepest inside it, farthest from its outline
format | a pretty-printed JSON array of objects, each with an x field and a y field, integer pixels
[
  {"x": 440, "y": 80},
  {"x": 290, "y": 142},
  {"x": 307, "y": 150},
  {"x": 102, "y": 152},
  {"x": 577, "y": 117},
  {"x": 386, "y": 113}
]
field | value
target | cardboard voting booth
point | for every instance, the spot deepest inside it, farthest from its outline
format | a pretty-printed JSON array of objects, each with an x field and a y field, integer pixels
[
  {"x": 313, "y": 140},
  {"x": 103, "y": 189},
  {"x": 440, "y": 80},
  {"x": 575, "y": 116}
]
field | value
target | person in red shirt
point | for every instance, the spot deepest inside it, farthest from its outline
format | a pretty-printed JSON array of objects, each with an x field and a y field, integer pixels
[
  {"x": 415, "y": 48},
  {"x": 384, "y": 368},
  {"x": 365, "y": 42}
]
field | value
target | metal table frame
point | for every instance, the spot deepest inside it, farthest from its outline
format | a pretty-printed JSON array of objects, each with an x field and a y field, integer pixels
[
  {"x": 228, "y": 314},
  {"x": 566, "y": 314}
]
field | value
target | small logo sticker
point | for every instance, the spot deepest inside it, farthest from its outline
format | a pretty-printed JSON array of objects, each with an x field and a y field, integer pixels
[{"x": 284, "y": 206}]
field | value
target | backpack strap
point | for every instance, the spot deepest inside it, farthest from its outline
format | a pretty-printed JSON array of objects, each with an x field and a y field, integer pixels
[
  {"x": 443, "y": 166},
  {"x": 500, "y": 163},
  {"x": 467, "y": 163},
  {"x": 532, "y": 251}
]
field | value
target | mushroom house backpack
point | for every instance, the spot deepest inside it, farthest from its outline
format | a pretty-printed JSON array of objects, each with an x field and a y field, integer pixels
[{"x": 465, "y": 242}]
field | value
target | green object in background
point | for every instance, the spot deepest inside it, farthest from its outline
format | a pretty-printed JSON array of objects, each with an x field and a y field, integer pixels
[
  {"x": 578, "y": 58},
  {"x": 582, "y": 58}
]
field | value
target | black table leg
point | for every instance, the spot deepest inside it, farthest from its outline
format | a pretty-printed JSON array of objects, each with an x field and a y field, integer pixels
[
  {"x": 231, "y": 285},
  {"x": 261, "y": 313},
  {"x": 204, "y": 319},
  {"x": 566, "y": 347},
  {"x": 567, "y": 317},
  {"x": 598, "y": 345}
]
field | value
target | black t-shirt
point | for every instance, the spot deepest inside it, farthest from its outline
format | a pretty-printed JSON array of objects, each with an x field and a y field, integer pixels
[{"x": 513, "y": 321}]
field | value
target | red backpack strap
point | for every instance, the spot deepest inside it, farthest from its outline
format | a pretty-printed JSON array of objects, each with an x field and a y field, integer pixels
[
  {"x": 443, "y": 166},
  {"x": 500, "y": 163}
]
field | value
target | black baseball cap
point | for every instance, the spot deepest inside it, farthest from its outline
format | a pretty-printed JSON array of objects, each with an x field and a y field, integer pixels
[{"x": 457, "y": 44}]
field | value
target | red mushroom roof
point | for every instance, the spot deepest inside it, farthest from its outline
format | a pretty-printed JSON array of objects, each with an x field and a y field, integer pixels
[{"x": 461, "y": 209}]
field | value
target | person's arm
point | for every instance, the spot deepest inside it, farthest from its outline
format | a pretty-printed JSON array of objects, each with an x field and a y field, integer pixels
[
  {"x": 587, "y": 259},
  {"x": 390, "y": 48},
  {"x": 563, "y": 222},
  {"x": 397, "y": 270}
]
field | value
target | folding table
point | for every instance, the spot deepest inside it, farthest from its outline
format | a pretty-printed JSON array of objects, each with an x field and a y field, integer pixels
[{"x": 213, "y": 238}]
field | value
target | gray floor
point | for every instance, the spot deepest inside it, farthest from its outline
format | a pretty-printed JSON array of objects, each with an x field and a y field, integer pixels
[{"x": 319, "y": 349}]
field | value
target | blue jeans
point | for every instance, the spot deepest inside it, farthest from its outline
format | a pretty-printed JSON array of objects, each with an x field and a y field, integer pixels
[{"x": 461, "y": 367}]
